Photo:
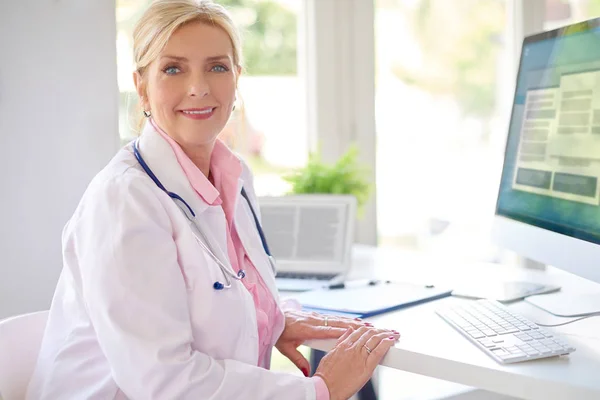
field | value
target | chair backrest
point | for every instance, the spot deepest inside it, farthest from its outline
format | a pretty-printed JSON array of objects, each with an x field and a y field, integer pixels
[{"x": 20, "y": 341}]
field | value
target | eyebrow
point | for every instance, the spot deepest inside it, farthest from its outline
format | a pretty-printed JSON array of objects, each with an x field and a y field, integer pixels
[{"x": 183, "y": 59}]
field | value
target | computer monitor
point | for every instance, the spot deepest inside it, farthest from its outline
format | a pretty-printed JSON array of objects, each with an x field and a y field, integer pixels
[{"x": 548, "y": 206}]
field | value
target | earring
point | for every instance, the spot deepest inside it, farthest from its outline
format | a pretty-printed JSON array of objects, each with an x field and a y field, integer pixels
[
  {"x": 147, "y": 114},
  {"x": 233, "y": 109}
]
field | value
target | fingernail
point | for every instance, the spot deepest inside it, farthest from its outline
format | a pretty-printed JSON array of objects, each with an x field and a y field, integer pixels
[
  {"x": 396, "y": 332},
  {"x": 358, "y": 319},
  {"x": 392, "y": 337},
  {"x": 368, "y": 324},
  {"x": 305, "y": 372}
]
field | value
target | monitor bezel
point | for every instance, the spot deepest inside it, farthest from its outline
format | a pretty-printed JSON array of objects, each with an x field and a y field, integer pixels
[{"x": 555, "y": 228}]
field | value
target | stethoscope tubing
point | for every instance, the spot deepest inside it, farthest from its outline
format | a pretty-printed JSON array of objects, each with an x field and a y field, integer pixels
[{"x": 197, "y": 232}]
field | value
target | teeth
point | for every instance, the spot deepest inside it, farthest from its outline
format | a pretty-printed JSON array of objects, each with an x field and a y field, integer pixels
[{"x": 199, "y": 112}]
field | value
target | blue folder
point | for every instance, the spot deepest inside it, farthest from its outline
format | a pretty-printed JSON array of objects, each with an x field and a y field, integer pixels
[{"x": 367, "y": 300}]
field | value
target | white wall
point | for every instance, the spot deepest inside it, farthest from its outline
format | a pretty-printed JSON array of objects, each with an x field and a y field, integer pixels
[{"x": 58, "y": 127}]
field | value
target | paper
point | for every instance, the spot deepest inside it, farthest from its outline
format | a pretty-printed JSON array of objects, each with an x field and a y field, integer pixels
[{"x": 368, "y": 300}]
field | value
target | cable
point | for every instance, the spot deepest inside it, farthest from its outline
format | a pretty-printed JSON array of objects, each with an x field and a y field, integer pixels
[{"x": 569, "y": 322}]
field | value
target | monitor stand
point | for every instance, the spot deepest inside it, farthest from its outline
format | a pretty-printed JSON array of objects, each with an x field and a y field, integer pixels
[{"x": 567, "y": 304}]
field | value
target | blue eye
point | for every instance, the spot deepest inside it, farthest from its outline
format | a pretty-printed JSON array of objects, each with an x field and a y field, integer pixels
[
  {"x": 219, "y": 68},
  {"x": 171, "y": 70}
]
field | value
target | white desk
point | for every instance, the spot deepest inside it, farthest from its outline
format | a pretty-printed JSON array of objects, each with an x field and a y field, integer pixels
[{"x": 431, "y": 347}]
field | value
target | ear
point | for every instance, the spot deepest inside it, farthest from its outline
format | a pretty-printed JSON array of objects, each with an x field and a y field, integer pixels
[
  {"x": 238, "y": 69},
  {"x": 140, "y": 87}
]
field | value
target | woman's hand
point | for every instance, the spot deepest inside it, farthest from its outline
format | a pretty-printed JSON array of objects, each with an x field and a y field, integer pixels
[
  {"x": 347, "y": 367},
  {"x": 301, "y": 326}
]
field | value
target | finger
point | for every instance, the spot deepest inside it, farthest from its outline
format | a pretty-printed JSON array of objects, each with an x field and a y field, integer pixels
[
  {"x": 354, "y": 336},
  {"x": 379, "y": 352},
  {"x": 354, "y": 321},
  {"x": 386, "y": 333},
  {"x": 345, "y": 335},
  {"x": 341, "y": 322},
  {"x": 326, "y": 332},
  {"x": 372, "y": 331},
  {"x": 297, "y": 358},
  {"x": 367, "y": 336},
  {"x": 374, "y": 340}
]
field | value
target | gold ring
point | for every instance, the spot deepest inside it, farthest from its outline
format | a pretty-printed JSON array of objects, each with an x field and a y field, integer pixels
[
  {"x": 367, "y": 347},
  {"x": 326, "y": 320}
]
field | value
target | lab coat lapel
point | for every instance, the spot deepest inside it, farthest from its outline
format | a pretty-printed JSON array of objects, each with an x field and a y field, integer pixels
[
  {"x": 212, "y": 225},
  {"x": 161, "y": 159},
  {"x": 248, "y": 234}
]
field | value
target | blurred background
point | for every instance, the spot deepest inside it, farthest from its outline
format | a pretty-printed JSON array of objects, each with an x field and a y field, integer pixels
[{"x": 443, "y": 82}]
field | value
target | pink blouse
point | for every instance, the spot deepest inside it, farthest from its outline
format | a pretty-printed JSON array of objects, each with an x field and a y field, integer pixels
[{"x": 226, "y": 169}]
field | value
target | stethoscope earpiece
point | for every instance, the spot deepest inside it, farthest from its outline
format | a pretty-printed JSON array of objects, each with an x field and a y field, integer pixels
[{"x": 220, "y": 286}]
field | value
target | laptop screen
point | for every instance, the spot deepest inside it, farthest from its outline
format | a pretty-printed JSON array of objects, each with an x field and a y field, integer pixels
[{"x": 309, "y": 233}]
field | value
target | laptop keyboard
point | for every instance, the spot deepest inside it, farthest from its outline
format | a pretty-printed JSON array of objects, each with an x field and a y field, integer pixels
[{"x": 296, "y": 275}]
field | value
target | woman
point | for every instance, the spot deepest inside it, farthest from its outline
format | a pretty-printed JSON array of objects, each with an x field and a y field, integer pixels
[{"x": 152, "y": 302}]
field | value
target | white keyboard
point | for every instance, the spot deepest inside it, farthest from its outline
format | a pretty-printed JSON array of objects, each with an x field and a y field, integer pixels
[{"x": 504, "y": 335}]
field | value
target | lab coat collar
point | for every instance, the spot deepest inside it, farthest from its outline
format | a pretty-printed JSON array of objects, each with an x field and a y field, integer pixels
[{"x": 161, "y": 159}]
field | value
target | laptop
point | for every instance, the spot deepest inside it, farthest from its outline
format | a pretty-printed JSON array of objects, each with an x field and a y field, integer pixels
[{"x": 310, "y": 236}]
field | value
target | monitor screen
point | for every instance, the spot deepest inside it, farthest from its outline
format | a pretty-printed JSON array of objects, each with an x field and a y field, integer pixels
[{"x": 551, "y": 172}]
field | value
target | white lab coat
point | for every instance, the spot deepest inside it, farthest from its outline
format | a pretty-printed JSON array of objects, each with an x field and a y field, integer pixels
[{"x": 135, "y": 315}]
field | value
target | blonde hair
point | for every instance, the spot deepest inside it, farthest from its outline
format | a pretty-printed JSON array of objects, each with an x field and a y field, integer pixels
[{"x": 158, "y": 23}]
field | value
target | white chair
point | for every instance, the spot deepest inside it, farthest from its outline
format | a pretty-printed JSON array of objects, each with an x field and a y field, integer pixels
[{"x": 20, "y": 341}]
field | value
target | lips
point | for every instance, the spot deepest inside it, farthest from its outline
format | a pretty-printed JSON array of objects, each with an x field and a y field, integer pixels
[{"x": 198, "y": 113}]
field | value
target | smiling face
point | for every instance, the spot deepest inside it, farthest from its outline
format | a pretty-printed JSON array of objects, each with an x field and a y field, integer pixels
[{"x": 190, "y": 87}]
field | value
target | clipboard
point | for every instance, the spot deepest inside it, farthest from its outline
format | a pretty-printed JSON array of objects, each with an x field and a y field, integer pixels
[{"x": 370, "y": 299}]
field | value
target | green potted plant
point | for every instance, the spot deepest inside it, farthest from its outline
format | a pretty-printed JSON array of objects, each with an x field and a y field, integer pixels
[{"x": 345, "y": 176}]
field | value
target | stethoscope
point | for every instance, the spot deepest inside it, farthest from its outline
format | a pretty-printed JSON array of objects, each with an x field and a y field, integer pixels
[{"x": 200, "y": 236}]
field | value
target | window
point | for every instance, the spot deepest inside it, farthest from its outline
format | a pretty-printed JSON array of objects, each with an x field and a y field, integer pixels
[
  {"x": 563, "y": 12},
  {"x": 268, "y": 127},
  {"x": 440, "y": 130}
]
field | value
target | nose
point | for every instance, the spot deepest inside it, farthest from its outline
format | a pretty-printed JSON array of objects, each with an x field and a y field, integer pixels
[{"x": 198, "y": 86}]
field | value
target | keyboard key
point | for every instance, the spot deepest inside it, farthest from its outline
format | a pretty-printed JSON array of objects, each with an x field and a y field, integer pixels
[
  {"x": 500, "y": 352},
  {"x": 545, "y": 350},
  {"x": 512, "y": 349},
  {"x": 487, "y": 343},
  {"x": 536, "y": 335},
  {"x": 523, "y": 328},
  {"x": 511, "y": 357},
  {"x": 525, "y": 347},
  {"x": 476, "y": 335}
]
